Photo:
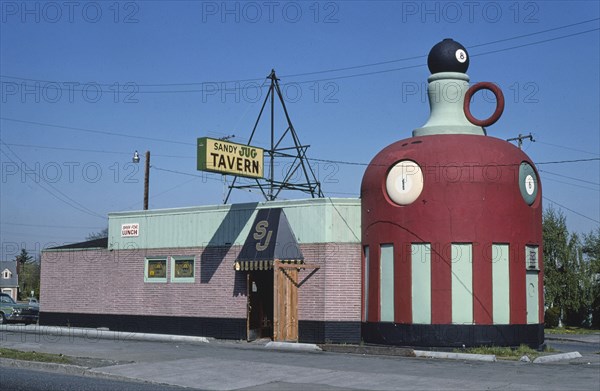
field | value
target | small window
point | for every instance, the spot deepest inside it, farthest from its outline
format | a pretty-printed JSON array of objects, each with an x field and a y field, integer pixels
[
  {"x": 182, "y": 269},
  {"x": 6, "y": 274},
  {"x": 155, "y": 270}
]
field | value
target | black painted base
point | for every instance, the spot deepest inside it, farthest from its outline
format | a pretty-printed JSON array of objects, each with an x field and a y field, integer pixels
[
  {"x": 225, "y": 328},
  {"x": 222, "y": 328},
  {"x": 452, "y": 335},
  {"x": 312, "y": 331}
]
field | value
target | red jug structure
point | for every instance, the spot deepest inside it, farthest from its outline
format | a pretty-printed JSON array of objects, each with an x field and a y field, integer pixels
[{"x": 452, "y": 227}]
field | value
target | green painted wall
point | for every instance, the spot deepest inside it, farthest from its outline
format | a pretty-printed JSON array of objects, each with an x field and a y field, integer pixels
[
  {"x": 366, "y": 284},
  {"x": 386, "y": 294},
  {"x": 532, "y": 297},
  {"x": 462, "y": 283},
  {"x": 500, "y": 284},
  {"x": 319, "y": 220},
  {"x": 421, "y": 283}
]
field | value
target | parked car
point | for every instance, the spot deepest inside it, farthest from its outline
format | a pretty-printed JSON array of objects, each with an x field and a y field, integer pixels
[
  {"x": 33, "y": 302},
  {"x": 13, "y": 312}
]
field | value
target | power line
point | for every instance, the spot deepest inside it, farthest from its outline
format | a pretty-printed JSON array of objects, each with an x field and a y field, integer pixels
[
  {"x": 69, "y": 201},
  {"x": 94, "y": 150},
  {"x": 536, "y": 42},
  {"x": 536, "y": 33},
  {"x": 184, "y": 143},
  {"x": 571, "y": 184},
  {"x": 338, "y": 69},
  {"x": 572, "y": 211},
  {"x": 185, "y": 173},
  {"x": 425, "y": 56},
  {"x": 37, "y": 235},
  {"x": 458, "y": 166},
  {"x": 364, "y": 73},
  {"x": 569, "y": 148},
  {"x": 95, "y": 131},
  {"x": 569, "y": 177},
  {"x": 569, "y": 161},
  {"x": 422, "y": 65},
  {"x": 163, "y": 192},
  {"x": 51, "y": 226}
]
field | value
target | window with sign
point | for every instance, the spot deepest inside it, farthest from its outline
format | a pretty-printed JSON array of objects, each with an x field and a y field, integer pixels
[
  {"x": 155, "y": 270},
  {"x": 531, "y": 258},
  {"x": 182, "y": 269}
]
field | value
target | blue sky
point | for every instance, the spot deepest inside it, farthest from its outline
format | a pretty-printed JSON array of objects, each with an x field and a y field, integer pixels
[{"x": 86, "y": 83}]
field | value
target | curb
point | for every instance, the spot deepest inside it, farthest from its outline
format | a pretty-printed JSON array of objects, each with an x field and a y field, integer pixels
[
  {"x": 557, "y": 357},
  {"x": 293, "y": 346},
  {"x": 70, "y": 369},
  {"x": 369, "y": 349},
  {"x": 569, "y": 339},
  {"x": 102, "y": 334},
  {"x": 456, "y": 356}
]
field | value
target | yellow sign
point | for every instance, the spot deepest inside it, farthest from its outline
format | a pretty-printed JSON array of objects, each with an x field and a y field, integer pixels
[{"x": 230, "y": 158}]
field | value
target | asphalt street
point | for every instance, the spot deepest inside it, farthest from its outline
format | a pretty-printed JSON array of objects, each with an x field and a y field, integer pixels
[
  {"x": 237, "y": 365},
  {"x": 18, "y": 379}
]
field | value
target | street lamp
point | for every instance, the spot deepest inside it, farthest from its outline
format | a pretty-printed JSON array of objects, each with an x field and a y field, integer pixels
[{"x": 136, "y": 159}]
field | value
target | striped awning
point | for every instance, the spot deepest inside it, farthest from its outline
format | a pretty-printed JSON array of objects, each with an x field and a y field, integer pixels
[{"x": 242, "y": 266}]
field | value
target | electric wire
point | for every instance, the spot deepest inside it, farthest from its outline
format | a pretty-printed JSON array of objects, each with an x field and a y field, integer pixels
[
  {"x": 569, "y": 148},
  {"x": 66, "y": 200},
  {"x": 355, "y": 67},
  {"x": 186, "y": 173},
  {"x": 332, "y": 78},
  {"x": 570, "y": 177},
  {"x": 157, "y": 195},
  {"x": 94, "y": 150},
  {"x": 11, "y": 223},
  {"x": 335, "y": 69},
  {"x": 95, "y": 131},
  {"x": 571, "y": 210},
  {"x": 571, "y": 184},
  {"x": 310, "y": 159}
]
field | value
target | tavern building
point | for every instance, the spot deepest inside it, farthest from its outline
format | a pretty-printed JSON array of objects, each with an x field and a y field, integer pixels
[{"x": 420, "y": 259}]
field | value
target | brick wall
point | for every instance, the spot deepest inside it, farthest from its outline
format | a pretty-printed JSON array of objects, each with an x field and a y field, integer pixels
[
  {"x": 112, "y": 282},
  {"x": 333, "y": 291}
]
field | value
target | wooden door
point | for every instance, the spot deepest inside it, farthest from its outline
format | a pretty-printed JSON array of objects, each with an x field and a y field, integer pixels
[{"x": 285, "y": 311}]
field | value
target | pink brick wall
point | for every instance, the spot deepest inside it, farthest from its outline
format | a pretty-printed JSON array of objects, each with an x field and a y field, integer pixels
[
  {"x": 112, "y": 282},
  {"x": 332, "y": 292}
]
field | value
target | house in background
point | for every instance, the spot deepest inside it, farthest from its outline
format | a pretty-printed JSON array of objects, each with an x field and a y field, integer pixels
[{"x": 9, "y": 279}]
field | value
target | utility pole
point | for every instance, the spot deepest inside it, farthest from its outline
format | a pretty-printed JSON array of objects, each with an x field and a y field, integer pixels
[
  {"x": 521, "y": 138},
  {"x": 147, "y": 180},
  {"x": 136, "y": 159}
]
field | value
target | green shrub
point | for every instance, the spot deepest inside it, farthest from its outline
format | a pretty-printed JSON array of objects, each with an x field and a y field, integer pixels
[{"x": 551, "y": 317}]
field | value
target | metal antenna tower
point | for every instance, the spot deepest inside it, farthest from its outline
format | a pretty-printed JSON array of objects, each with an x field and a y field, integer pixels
[{"x": 272, "y": 187}]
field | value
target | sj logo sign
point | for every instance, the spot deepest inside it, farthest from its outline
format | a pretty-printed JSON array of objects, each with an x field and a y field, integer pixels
[{"x": 260, "y": 231}]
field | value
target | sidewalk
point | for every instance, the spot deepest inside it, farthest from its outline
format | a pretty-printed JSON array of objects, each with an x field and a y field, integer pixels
[{"x": 229, "y": 365}]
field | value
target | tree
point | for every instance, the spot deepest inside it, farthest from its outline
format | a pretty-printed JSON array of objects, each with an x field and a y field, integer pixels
[
  {"x": 591, "y": 251},
  {"x": 591, "y": 247},
  {"x": 566, "y": 277},
  {"x": 22, "y": 259},
  {"x": 26, "y": 271},
  {"x": 98, "y": 235}
]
